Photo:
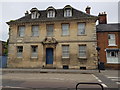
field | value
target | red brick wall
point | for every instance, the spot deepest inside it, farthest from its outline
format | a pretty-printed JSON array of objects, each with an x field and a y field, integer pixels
[{"x": 102, "y": 41}]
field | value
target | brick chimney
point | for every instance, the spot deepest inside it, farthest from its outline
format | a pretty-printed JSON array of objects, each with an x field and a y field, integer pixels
[
  {"x": 102, "y": 18},
  {"x": 88, "y": 9}
]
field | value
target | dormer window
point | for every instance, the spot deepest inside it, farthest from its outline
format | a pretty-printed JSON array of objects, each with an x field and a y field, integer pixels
[
  {"x": 34, "y": 13},
  {"x": 67, "y": 13},
  {"x": 51, "y": 14}
]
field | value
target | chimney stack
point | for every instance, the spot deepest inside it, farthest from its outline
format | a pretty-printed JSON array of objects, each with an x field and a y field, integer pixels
[
  {"x": 26, "y": 13},
  {"x": 102, "y": 18},
  {"x": 88, "y": 9}
]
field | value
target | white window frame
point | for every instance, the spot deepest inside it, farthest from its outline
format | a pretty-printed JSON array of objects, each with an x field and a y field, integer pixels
[
  {"x": 82, "y": 53},
  {"x": 65, "y": 31},
  {"x": 81, "y": 28},
  {"x": 50, "y": 31},
  {"x": 67, "y": 13},
  {"x": 112, "y": 59},
  {"x": 111, "y": 40},
  {"x": 65, "y": 51},
  {"x": 34, "y": 51},
  {"x": 35, "y": 31},
  {"x": 21, "y": 31},
  {"x": 19, "y": 51},
  {"x": 35, "y": 15},
  {"x": 51, "y": 14}
]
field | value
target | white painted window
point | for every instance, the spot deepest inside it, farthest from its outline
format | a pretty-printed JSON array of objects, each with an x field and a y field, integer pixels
[
  {"x": 50, "y": 29},
  {"x": 67, "y": 13},
  {"x": 111, "y": 39},
  {"x": 82, "y": 51},
  {"x": 21, "y": 31},
  {"x": 35, "y": 15},
  {"x": 34, "y": 52},
  {"x": 51, "y": 14},
  {"x": 112, "y": 57},
  {"x": 81, "y": 28},
  {"x": 65, "y": 29},
  {"x": 35, "y": 30},
  {"x": 19, "y": 51},
  {"x": 65, "y": 51}
]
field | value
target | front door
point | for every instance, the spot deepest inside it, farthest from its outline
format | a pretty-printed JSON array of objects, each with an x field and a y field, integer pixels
[{"x": 49, "y": 55}]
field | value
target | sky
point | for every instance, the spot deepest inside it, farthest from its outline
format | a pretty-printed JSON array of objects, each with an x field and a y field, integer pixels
[{"x": 11, "y": 10}]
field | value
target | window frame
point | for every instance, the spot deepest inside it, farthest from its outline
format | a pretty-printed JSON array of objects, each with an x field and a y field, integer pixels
[
  {"x": 68, "y": 12},
  {"x": 68, "y": 31},
  {"x": 83, "y": 51},
  {"x": 50, "y": 14},
  {"x": 33, "y": 32},
  {"x": 34, "y": 54},
  {"x": 52, "y": 33},
  {"x": 79, "y": 30},
  {"x": 19, "y": 31},
  {"x": 19, "y": 52},
  {"x": 65, "y": 53},
  {"x": 111, "y": 40}
]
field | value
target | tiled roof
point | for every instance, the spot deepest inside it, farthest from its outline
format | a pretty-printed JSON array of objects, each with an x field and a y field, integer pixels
[
  {"x": 108, "y": 27},
  {"x": 76, "y": 14}
]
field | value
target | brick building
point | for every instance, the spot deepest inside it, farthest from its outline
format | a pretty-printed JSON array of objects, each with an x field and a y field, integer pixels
[
  {"x": 108, "y": 36},
  {"x": 53, "y": 38}
]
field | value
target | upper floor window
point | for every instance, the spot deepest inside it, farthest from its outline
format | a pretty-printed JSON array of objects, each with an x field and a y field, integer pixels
[
  {"x": 67, "y": 13},
  {"x": 65, "y": 29},
  {"x": 50, "y": 29},
  {"x": 34, "y": 50},
  {"x": 35, "y": 30},
  {"x": 21, "y": 31},
  {"x": 81, "y": 28},
  {"x": 82, "y": 51},
  {"x": 111, "y": 39},
  {"x": 51, "y": 14},
  {"x": 34, "y": 13},
  {"x": 65, "y": 51},
  {"x": 19, "y": 51}
]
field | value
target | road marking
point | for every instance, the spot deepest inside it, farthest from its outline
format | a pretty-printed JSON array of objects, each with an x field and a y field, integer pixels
[
  {"x": 100, "y": 81},
  {"x": 11, "y": 87},
  {"x": 103, "y": 85},
  {"x": 113, "y": 77},
  {"x": 96, "y": 78},
  {"x": 118, "y": 82}
]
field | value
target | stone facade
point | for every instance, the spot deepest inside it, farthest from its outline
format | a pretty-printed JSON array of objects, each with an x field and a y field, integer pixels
[{"x": 73, "y": 40}]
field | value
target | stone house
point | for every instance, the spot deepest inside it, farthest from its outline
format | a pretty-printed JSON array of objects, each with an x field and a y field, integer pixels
[
  {"x": 53, "y": 38},
  {"x": 108, "y": 38}
]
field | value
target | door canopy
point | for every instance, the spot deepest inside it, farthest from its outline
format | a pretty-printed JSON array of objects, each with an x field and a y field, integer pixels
[{"x": 49, "y": 41}]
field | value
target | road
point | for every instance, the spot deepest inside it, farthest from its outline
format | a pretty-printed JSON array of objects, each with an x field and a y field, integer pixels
[{"x": 58, "y": 81}]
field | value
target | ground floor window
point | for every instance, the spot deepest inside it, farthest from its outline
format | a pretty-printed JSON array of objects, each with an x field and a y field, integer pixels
[
  {"x": 82, "y": 51},
  {"x": 65, "y": 51},
  {"x": 112, "y": 57},
  {"x": 19, "y": 51},
  {"x": 34, "y": 51}
]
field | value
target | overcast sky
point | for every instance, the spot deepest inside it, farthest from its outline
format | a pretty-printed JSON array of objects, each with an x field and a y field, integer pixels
[{"x": 14, "y": 10}]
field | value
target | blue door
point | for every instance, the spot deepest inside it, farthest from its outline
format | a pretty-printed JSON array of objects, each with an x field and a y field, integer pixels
[{"x": 49, "y": 55}]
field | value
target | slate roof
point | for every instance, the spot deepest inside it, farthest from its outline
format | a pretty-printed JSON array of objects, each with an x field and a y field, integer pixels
[
  {"x": 108, "y": 27},
  {"x": 59, "y": 16}
]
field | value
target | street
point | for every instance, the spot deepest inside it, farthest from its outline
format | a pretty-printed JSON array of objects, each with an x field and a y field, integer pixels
[{"x": 59, "y": 81}]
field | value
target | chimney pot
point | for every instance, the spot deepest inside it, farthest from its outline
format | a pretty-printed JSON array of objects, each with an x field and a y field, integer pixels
[
  {"x": 26, "y": 13},
  {"x": 88, "y": 9},
  {"x": 102, "y": 18}
]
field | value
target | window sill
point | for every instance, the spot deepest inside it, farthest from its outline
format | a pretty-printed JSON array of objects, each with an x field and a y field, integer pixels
[
  {"x": 82, "y": 35},
  {"x": 84, "y": 58},
  {"x": 65, "y": 35},
  {"x": 34, "y": 57},
  {"x": 112, "y": 45},
  {"x": 65, "y": 58},
  {"x": 19, "y": 57}
]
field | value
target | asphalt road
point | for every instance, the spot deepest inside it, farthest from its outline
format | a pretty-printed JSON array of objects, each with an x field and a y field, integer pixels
[{"x": 58, "y": 81}]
